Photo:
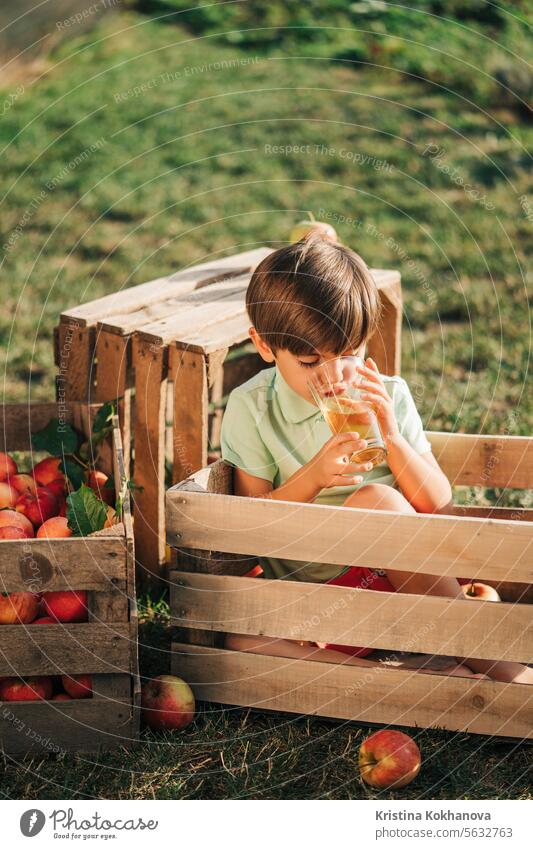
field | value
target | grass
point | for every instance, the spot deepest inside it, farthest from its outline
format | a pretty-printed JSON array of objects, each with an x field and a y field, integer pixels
[{"x": 110, "y": 186}]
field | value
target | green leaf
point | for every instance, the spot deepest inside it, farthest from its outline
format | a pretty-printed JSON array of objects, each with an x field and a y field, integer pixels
[
  {"x": 58, "y": 438},
  {"x": 85, "y": 512},
  {"x": 74, "y": 472},
  {"x": 102, "y": 424}
]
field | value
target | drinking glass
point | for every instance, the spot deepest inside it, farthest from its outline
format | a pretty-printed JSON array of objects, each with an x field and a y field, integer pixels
[{"x": 336, "y": 387}]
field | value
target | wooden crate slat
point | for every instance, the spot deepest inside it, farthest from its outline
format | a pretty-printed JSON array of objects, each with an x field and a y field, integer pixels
[
  {"x": 75, "y": 377},
  {"x": 211, "y": 339},
  {"x": 205, "y": 315},
  {"x": 399, "y": 621},
  {"x": 137, "y": 297},
  {"x": 186, "y": 310},
  {"x": 341, "y": 691},
  {"x": 64, "y": 649},
  {"x": 112, "y": 355},
  {"x": 481, "y": 460},
  {"x": 81, "y": 725},
  {"x": 150, "y": 406},
  {"x": 20, "y": 421},
  {"x": 427, "y": 543},
  {"x": 188, "y": 372},
  {"x": 385, "y": 345},
  {"x": 40, "y": 565}
]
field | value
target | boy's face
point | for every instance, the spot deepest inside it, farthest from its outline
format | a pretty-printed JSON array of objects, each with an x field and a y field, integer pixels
[{"x": 297, "y": 369}]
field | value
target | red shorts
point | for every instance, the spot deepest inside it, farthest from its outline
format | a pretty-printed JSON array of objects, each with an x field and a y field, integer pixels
[{"x": 359, "y": 576}]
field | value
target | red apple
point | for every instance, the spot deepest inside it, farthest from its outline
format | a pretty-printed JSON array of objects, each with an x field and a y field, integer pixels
[
  {"x": 78, "y": 686},
  {"x": 389, "y": 759},
  {"x": 12, "y": 518},
  {"x": 11, "y": 532},
  {"x": 44, "y": 620},
  {"x": 57, "y": 487},
  {"x": 54, "y": 528},
  {"x": 97, "y": 480},
  {"x": 8, "y": 495},
  {"x": 30, "y": 690},
  {"x": 61, "y": 697},
  {"x": 23, "y": 483},
  {"x": 39, "y": 507},
  {"x": 18, "y": 608},
  {"x": 66, "y": 605},
  {"x": 8, "y": 467},
  {"x": 48, "y": 470},
  {"x": 302, "y": 228},
  {"x": 167, "y": 702},
  {"x": 477, "y": 590},
  {"x": 254, "y": 572},
  {"x": 62, "y": 507}
]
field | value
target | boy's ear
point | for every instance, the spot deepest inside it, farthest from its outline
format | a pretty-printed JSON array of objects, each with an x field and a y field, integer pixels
[{"x": 263, "y": 349}]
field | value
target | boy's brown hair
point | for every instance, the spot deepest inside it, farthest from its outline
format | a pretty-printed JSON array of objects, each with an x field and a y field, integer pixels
[{"x": 313, "y": 296}]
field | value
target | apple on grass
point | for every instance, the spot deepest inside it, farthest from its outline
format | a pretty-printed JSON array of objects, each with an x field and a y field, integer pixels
[
  {"x": 66, "y": 605},
  {"x": 31, "y": 690},
  {"x": 167, "y": 702},
  {"x": 18, "y": 608},
  {"x": 78, "y": 686},
  {"x": 389, "y": 759},
  {"x": 12, "y": 518},
  {"x": 477, "y": 590},
  {"x": 302, "y": 228}
]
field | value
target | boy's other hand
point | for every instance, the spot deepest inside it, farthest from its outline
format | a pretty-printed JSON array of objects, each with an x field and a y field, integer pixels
[
  {"x": 332, "y": 466},
  {"x": 375, "y": 393}
]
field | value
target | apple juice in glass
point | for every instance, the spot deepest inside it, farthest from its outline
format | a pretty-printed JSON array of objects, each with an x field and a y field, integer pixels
[{"x": 336, "y": 387}]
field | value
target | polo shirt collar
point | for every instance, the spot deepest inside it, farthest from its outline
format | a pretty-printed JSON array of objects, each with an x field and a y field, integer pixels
[{"x": 294, "y": 408}]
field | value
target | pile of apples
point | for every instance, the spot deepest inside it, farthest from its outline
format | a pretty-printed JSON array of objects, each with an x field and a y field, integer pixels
[
  {"x": 33, "y": 504},
  {"x": 48, "y": 608}
]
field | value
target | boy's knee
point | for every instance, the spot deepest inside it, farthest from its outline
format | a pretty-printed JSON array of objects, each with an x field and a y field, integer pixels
[{"x": 379, "y": 496}]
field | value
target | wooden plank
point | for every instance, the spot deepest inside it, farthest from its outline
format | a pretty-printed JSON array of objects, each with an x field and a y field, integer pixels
[
  {"x": 187, "y": 279},
  {"x": 515, "y": 514},
  {"x": 184, "y": 309},
  {"x": 36, "y": 565},
  {"x": 427, "y": 543},
  {"x": 64, "y": 649},
  {"x": 19, "y": 421},
  {"x": 470, "y": 459},
  {"x": 188, "y": 372},
  {"x": 210, "y": 339},
  {"x": 113, "y": 354},
  {"x": 75, "y": 377},
  {"x": 356, "y": 617},
  {"x": 385, "y": 345},
  {"x": 81, "y": 725},
  {"x": 388, "y": 696},
  {"x": 215, "y": 311},
  {"x": 150, "y": 404}
]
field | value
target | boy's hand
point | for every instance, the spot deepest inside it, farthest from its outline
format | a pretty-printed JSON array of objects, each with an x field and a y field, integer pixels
[
  {"x": 376, "y": 394},
  {"x": 332, "y": 467}
]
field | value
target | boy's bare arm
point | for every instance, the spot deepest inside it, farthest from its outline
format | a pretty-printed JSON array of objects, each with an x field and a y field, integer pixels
[
  {"x": 421, "y": 480},
  {"x": 330, "y": 467}
]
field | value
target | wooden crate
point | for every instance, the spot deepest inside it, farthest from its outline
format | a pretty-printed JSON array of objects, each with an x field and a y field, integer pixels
[
  {"x": 218, "y": 536},
  {"x": 169, "y": 347},
  {"x": 105, "y": 646}
]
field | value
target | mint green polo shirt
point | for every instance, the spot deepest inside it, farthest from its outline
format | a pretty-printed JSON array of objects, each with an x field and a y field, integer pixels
[{"x": 270, "y": 431}]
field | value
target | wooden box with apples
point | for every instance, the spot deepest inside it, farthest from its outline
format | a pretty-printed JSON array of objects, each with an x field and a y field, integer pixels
[
  {"x": 217, "y": 537},
  {"x": 68, "y": 624}
]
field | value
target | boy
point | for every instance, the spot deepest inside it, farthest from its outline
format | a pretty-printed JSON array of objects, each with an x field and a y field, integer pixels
[{"x": 309, "y": 303}]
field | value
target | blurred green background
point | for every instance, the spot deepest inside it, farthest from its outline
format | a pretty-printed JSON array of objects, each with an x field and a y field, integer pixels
[{"x": 145, "y": 140}]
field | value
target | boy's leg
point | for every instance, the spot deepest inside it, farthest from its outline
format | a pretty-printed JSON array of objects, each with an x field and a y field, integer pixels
[{"x": 382, "y": 497}]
